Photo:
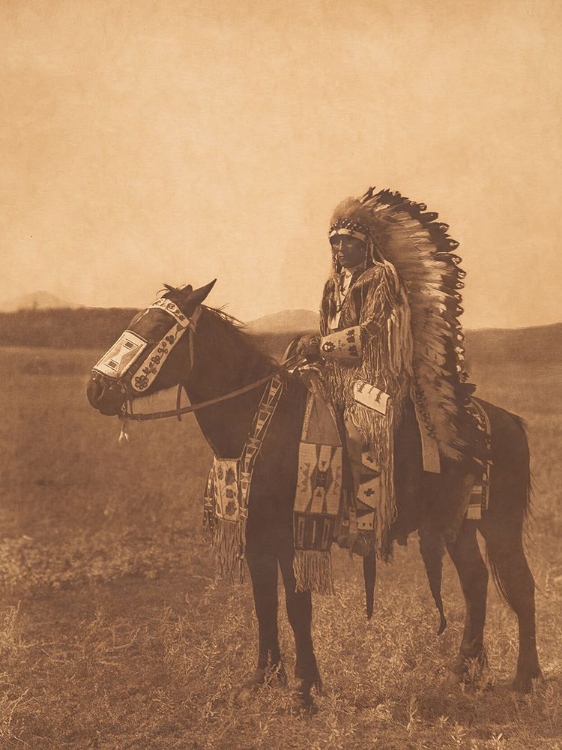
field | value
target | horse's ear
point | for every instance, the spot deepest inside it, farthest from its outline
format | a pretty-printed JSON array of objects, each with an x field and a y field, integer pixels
[{"x": 200, "y": 295}]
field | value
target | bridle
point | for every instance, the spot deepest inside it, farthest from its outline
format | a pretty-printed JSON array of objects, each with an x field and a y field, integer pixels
[{"x": 124, "y": 369}]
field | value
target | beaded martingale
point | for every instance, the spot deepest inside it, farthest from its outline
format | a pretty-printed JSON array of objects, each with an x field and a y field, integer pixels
[{"x": 227, "y": 494}]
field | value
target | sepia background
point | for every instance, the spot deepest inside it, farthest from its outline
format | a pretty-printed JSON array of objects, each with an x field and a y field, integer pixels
[
  {"x": 181, "y": 141},
  {"x": 178, "y": 141}
]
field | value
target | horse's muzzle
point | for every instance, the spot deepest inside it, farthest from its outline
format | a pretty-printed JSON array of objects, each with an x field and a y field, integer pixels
[{"x": 105, "y": 395}]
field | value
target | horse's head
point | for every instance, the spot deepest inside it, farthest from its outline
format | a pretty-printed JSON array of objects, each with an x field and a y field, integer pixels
[{"x": 145, "y": 358}]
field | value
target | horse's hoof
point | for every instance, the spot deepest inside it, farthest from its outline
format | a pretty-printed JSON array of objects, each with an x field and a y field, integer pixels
[
  {"x": 249, "y": 688},
  {"x": 304, "y": 711},
  {"x": 526, "y": 683},
  {"x": 277, "y": 676},
  {"x": 469, "y": 668},
  {"x": 466, "y": 671},
  {"x": 318, "y": 685},
  {"x": 452, "y": 679},
  {"x": 458, "y": 667},
  {"x": 302, "y": 703},
  {"x": 271, "y": 676}
]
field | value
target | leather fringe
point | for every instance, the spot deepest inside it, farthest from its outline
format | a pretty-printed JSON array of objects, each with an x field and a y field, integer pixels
[
  {"x": 229, "y": 541},
  {"x": 313, "y": 571},
  {"x": 386, "y": 362}
]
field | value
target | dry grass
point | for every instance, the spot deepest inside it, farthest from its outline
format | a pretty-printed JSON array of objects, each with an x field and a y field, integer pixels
[{"x": 115, "y": 635}]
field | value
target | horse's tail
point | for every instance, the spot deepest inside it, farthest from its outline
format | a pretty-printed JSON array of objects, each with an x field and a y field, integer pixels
[
  {"x": 523, "y": 498},
  {"x": 527, "y": 497}
]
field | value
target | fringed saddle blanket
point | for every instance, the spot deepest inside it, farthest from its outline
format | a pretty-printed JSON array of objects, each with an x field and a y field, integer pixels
[
  {"x": 318, "y": 496},
  {"x": 325, "y": 508},
  {"x": 342, "y": 493}
]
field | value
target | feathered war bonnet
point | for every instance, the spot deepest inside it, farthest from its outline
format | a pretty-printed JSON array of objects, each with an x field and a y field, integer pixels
[{"x": 405, "y": 237}]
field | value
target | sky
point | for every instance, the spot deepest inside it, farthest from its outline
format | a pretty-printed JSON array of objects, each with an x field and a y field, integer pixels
[{"x": 177, "y": 141}]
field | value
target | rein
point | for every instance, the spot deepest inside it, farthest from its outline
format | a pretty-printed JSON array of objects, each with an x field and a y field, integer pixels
[
  {"x": 177, "y": 412},
  {"x": 287, "y": 366}
]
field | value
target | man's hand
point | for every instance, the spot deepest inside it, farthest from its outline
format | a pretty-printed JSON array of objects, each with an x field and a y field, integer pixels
[{"x": 309, "y": 346}]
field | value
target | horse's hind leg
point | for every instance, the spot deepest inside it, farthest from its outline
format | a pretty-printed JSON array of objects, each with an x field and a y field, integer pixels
[
  {"x": 515, "y": 581},
  {"x": 263, "y": 572},
  {"x": 473, "y": 576},
  {"x": 299, "y": 612}
]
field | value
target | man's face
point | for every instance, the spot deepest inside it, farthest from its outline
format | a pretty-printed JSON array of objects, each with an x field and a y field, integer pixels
[{"x": 348, "y": 251}]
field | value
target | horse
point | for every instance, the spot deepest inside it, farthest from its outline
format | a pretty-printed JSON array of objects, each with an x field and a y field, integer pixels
[{"x": 218, "y": 364}]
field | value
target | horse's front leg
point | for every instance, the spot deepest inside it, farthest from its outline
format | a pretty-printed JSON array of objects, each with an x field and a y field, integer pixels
[
  {"x": 263, "y": 572},
  {"x": 299, "y": 612}
]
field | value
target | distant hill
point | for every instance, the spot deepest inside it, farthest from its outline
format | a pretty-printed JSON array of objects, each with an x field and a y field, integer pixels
[
  {"x": 65, "y": 328},
  {"x": 35, "y": 301},
  {"x": 536, "y": 344},
  {"x": 286, "y": 321},
  {"x": 98, "y": 328}
]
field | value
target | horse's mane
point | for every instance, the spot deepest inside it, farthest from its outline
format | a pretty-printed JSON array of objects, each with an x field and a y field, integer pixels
[
  {"x": 234, "y": 331},
  {"x": 223, "y": 315},
  {"x": 230, "y": 334}
]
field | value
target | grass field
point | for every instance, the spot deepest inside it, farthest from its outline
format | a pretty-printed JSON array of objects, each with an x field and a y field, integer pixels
[{"x": 114, "y": 633}]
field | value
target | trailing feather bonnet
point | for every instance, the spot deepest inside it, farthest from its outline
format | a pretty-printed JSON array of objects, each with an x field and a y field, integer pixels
[{"x": 403, "y": 236}]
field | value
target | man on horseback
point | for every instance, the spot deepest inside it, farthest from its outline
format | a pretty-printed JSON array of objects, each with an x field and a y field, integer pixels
[
  {"x": 391, "y": 353},
  {"x": 389, "y": 357}
]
